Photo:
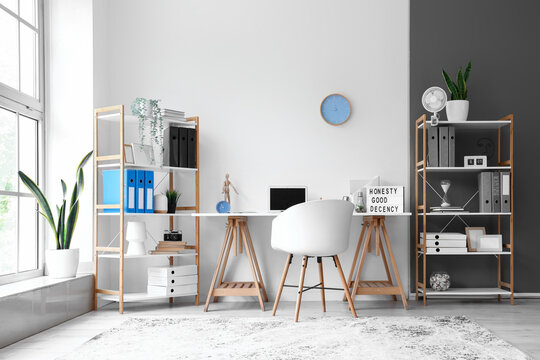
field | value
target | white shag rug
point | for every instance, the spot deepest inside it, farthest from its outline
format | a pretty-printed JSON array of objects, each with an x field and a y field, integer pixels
[{"x": 214, "y": 337}]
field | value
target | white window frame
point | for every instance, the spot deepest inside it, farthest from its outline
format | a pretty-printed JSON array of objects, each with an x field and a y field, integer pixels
[
  {"x": 14, "y": 94},
  {"x": 25, "y": 105}
]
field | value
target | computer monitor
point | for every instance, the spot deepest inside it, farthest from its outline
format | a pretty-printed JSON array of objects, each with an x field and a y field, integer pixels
[{"x": 283, "y": 197}]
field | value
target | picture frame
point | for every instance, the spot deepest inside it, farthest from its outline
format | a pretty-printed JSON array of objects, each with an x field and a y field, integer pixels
[
  {"x": 490, "y": 243},
  {"x": 143, "y": 154},
  {"x": 473, "y": 237},
  {"x": 128, "y": 154}
]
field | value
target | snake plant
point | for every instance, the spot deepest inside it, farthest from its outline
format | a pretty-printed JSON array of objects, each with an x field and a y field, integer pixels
[
  {"x": 458, "y": 91},
  {"x": 64, "y": 226}
]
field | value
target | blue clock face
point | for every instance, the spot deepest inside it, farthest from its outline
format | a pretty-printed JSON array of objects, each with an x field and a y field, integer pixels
[{"x": 335, "y": 109}]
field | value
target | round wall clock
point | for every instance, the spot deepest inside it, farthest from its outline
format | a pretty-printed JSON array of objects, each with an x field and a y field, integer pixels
[{"x": 335, "y": 109}]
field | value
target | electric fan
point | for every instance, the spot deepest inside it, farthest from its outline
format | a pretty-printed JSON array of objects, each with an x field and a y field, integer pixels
[{"x": 434, "y": 100}]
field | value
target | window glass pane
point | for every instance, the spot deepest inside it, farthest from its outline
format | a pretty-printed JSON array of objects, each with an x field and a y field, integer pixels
[
  {"x": 9, "y": 49},
  {"x": 29, "y": 61},
  {"x": 8, "y": 234},
  {"x": 8, "y": 150},
  {"x": 29, "y": 11},
  {"x": 10, "y": 4},
  {"x": 28, "y": 245},
  {"x": 27, "y": 150}
]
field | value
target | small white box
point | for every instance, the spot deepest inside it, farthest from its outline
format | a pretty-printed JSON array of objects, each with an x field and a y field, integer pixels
[
  {"x": 172, "y": 291},
  {"x": 178, "y": 270},
  {"x": 489, "y": 243},
  {"x": 172, "y": 280}
]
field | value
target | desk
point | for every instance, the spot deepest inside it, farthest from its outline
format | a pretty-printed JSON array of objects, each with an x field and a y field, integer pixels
[
  {"x": 376, "y": 222},
  {"x": 237, "y": 233}
]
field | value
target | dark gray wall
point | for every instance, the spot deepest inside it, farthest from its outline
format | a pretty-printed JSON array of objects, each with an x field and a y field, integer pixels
[{"x": 501, "y": 40}]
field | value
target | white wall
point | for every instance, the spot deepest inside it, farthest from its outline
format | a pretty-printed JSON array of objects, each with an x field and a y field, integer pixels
[
  {"x": 256, "y": 72},
  {"x": 69, "y": 108}
]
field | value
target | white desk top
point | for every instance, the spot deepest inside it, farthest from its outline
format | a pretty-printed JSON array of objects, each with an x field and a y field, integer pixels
[{"x": 273, "y": 214}]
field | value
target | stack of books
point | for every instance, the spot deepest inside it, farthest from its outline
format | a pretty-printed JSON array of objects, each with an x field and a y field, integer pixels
[
  {"x": 445, "y": 243},
  {"x": 175, "y": 115},
  {"x": 171, "y": 281},
  {"x": 169, "y": 247}
]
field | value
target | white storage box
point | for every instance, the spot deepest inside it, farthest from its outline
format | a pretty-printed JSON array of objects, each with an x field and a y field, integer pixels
[
  {"x": 443, "y": 236},
  {"x": 447, "y": 243},
  {"x": 172, "y": 280},
  {"x": 178, "y": 270},
  {"x": 446, "y": 250},
  {"x": 172, "y": 291}
]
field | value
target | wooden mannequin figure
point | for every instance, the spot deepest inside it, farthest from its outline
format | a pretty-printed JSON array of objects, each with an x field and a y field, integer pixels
[{"x": 225, "y": 190}]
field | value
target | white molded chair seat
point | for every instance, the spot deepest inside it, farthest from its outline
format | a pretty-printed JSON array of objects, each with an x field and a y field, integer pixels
[{"x": 313, "y": 229}]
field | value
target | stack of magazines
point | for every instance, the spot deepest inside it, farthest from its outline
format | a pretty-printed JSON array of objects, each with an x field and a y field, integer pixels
[{"x": 175, "y": 115}]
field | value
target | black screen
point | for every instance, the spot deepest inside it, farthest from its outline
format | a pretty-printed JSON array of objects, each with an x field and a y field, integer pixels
[{"x": 284, "y": 198}]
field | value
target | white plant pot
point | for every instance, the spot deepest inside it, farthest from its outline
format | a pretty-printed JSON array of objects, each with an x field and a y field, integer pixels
[
  {"x": 62, "y": 263},
  {"x": 457, "y": 110}
]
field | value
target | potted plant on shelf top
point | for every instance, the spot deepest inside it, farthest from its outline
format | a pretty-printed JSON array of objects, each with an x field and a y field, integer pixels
[
  {"x": 63, "y": 261},
  {"x": 457, "y": 108}
]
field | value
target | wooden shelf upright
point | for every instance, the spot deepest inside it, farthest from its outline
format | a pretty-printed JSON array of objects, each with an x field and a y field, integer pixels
[
  {"x": 117, "y": 161},
  {"x": 422, "y": 216}
]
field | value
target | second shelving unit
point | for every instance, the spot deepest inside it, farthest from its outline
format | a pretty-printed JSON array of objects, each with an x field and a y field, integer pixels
[{"x": 423, "y": 216}]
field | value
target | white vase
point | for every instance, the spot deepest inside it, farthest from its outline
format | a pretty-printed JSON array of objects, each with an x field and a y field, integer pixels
[
  {"x": 62, "y": 263},
  {"x": 457, "y": 110}
]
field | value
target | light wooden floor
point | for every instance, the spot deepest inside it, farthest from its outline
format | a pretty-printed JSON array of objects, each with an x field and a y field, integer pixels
[{"x": 518, "y": 324}]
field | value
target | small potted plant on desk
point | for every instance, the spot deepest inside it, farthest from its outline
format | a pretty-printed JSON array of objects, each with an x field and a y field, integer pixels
[
  {"x": 63, "y": 261},
  {"x": 172, "y": 199},
  {"x": 457, "y": 108}
]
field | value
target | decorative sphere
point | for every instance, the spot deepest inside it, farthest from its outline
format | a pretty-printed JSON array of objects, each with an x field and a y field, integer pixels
[{"x": 439, "y": 281}]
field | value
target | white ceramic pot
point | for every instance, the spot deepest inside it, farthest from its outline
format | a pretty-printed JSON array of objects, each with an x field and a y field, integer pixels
[
  {"x": 160, "y": 203},
  {"x": 457, "y": 110},
  {"x": 62, "y": 263}
]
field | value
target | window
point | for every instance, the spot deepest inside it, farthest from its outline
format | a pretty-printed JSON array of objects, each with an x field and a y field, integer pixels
[
  {"x": 21, "y": 124},
  {"x": 21, "y": 67}
]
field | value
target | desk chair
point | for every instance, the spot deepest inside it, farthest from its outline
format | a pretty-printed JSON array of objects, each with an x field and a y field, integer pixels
[{"x": 313, "y": 229}]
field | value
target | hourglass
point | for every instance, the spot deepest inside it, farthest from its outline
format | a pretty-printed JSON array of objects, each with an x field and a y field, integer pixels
[{"x": 445, "y": 184}]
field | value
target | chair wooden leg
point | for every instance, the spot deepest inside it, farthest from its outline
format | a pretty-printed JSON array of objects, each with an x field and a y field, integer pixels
[
  {"x": 300, "y": 288},
  {"x": 283, "y": 278},
  {"x": 321, "y": 279},
  {"x": 347, "y": 293},
  {"x": 214, "y": 279}
]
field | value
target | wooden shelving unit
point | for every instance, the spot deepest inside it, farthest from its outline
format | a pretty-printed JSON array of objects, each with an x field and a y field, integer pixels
[
  {"x": 504, "y": 288},
  {"x": 117, "y": 161}
]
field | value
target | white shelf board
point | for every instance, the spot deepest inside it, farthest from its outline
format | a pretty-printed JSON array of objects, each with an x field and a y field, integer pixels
[
  {"x": 475, "y": 253},
  {"x": 132, "y": 118},
  {"x": 147, "y": 256},
  {"x": 136, "y": 297},
  {"x": 463, "y": 169},
  {"x": 145, "y": 214},
  {"x": 148, "y": 167},
  {"x": 464, "y": 214},
  {"x": 472, "y": 124},
  {"x": 465, "y": 292}
]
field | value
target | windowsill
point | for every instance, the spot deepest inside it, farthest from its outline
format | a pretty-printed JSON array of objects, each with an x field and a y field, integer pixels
[{"x": 40, "y": 282}]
